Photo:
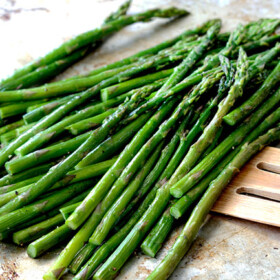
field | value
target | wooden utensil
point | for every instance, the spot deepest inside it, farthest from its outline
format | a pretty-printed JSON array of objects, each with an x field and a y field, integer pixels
[{"x": 254, "y": 194}]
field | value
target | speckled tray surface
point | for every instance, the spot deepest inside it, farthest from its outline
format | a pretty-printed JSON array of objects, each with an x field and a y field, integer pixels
[{"x": 226, "y": 248}]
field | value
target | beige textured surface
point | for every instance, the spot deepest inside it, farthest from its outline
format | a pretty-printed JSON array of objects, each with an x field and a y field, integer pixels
[{"x": 226, "y": 248}]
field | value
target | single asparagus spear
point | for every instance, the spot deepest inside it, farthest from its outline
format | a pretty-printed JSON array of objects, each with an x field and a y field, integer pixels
[
  {"x": 92, "y": 36},
  {"x": 106, "y": 149},
  {"x": 232, "y": 140},
  {"x": 36, "y": 231},
  {"x": 71, "y": 177},
  {"x": 35, "y": 113},
  {"x": 156, "y": 237},
  {"x": 200, "y": 30},
  {"x": 89, "y": 123},
  {"x": 188, "y": 234},
  {"x": 255, "y": 100},
  {"x": 15, "y": 109},
  {"x": 46, "y": 242},
  {"x": 18, "y": 185},
  {"x": 121, "y": 11},
  {"x": 116, "y": 90}
]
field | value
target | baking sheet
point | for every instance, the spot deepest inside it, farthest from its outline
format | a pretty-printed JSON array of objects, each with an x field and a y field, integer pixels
[{"x": 226, "y": 248}]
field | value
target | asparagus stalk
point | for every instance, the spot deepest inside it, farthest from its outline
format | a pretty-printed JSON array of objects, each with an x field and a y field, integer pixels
[
  {"x": 46, "y": 242},
  {"x": 89, "y": 123},
  {"x": 121, "y": 11},
  {"x": 255, "y": 100},
  {"x": 86, "y": 230},
  {"x": 106, "y": 149},
  {"x": 116, "y": 90},
  {"x": 35, "y": 113},
  {"x": 44, "y": 226},
  {"x": 18, "y": 185},
  {"x": 156, "y": 237},
  {"x": 36, "y": 231},
  {"x": 188, "y": 234},
  {"x": 92, "y": 36},
  {"x": 15, "y": 109},
  {"x": 66, "y": 211},
  {"x": 232, "y": 140}
]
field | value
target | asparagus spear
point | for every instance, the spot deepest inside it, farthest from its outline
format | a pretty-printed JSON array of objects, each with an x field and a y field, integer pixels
[
  {"x": 14, "y": 109},
  {"x": 36, "y": 231},
  {"x": 121, "y": 11},
  {"x": 46, "y": 242},
  {"x": 232, "y": 140},
  {"x": 255, "y": 100},
  {"x": 188, "y": 234},
  {"x": 92, "y": 36},
  {"x": 106, "y": 149},
  {"x": 89, "y": 123},
  {"x": 116, "y": 90},
  {"x": 200, "y": 30}
]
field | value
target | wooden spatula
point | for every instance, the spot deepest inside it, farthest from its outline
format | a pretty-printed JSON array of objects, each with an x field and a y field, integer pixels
[{"x": 254, "y": 194}]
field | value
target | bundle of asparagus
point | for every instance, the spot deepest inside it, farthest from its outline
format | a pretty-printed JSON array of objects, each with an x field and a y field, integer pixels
[{"x": 109, "y": 160}]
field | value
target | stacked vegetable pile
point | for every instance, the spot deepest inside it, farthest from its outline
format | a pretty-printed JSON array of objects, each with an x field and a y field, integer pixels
[{"x": 109, "y": 160}]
